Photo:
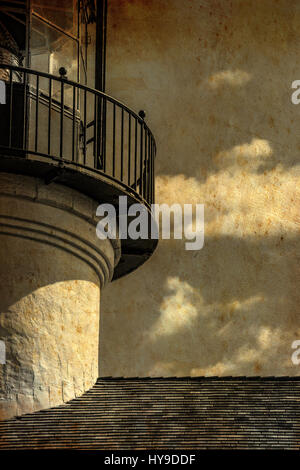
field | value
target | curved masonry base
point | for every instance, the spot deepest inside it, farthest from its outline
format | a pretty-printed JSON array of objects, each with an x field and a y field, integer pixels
[{"x": 52, "y": 270}]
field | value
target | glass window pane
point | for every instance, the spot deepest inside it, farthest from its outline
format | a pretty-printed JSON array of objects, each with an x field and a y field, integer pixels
[
  {"x": 63, "y": 13},
  {"x": 51, "y": 49}
]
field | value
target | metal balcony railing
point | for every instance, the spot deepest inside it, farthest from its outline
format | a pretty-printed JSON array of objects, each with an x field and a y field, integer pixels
[{"x": 49, "y": 117}]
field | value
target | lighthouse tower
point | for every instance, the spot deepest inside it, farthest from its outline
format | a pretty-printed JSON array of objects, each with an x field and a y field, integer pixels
[{"x": 65, "y": 148}]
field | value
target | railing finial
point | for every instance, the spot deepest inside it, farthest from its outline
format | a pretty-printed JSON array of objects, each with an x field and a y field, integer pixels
[
  {"x": 142, "y": 114},
  {"x": 62, "y": 72}
]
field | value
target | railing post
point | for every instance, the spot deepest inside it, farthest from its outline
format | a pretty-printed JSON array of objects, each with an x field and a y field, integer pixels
[
  {"x": 129, "y": 149},
  {"x": 63, "y": 73},
  {"x": 26, "y": 112},
  {"x": 37, "y": 113},
  {"x": 10, "y": 107},
  {"x": 142, "y": 115},
  {"x": 49, "y": 116},
  {"x": 114, "y": 141},
  {"x": 122, "y": 143}
]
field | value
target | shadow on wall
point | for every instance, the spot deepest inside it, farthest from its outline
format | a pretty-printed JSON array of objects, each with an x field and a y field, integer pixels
[{"x": 217, "y": 76}]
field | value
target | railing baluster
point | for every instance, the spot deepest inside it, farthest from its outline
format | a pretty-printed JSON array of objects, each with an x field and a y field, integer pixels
[
  {"x": 73, "y": 124},
  {"x": 96, "y": 132},
  {"x": 129, "y": 148},
  {"x": 122, "y": 143},
  {"x": 104, "y": 135},
  {"x": 149, "y": 169},
  {"x": 49, "y": 116},
  {"x": 114, "y": 140},
  {"x": 145, "y": 167},
  {"x": 10, "y": 107},
  {"x": 95, "y": 129},
  {"x": 62, "y": 105},
  {"x": 84, "y": 127},
  {"x": 141, "y": 161},
  {"x": 37, "y": 112},
  {"x": 25, "y": 79},
  {"x": 153, "y": 170},
  {"x": 135, "y": 154}
]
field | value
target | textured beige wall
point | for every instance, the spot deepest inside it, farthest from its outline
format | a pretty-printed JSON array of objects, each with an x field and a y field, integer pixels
[
  {"x": 215, "y": 79},
  {"x": 52, "y": 268}
]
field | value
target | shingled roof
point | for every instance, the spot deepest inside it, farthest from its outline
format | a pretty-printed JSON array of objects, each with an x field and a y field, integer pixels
[{"x": 167, "y": 413}]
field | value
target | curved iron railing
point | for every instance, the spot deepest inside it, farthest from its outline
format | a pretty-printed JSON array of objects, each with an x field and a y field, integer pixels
[{"x": 54, "y": 118}]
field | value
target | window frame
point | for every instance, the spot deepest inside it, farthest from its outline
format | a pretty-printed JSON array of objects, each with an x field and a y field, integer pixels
[{"x": 80, "y": 39}]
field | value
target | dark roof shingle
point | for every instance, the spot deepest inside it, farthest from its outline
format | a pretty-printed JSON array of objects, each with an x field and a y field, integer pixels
[{"x": 167, "y": 413}]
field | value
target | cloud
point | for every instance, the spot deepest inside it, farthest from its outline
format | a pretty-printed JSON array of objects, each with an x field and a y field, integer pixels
[
  {"x": 177, "y": 310},
  {"x": 229, "y": 77},
  {"x": 245, "y": 156},
  {"x": 240, "y": 201}
]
